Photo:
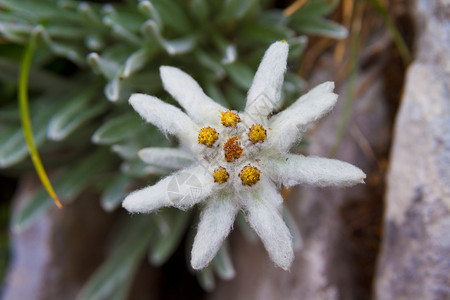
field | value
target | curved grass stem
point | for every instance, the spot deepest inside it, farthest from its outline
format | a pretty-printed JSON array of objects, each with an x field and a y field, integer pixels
[{"x": 25, "y": 115}]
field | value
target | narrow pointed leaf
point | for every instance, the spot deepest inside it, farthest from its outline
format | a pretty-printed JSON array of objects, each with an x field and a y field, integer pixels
[
  {"x": 165, "y": 246},
  {"x": 206, "y": 280},
  {"x": 222, "y": 264},
  {"x": 240, "y": 74},
  {"x": 74, "y": 114},
  {"x": 321, "y": 27},
  {"x": 118, "y": 129},
  {"x": 115, "y": 192}
]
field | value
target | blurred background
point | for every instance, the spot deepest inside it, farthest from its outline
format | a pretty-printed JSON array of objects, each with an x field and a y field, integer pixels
[{"x": 387, "y": 239}]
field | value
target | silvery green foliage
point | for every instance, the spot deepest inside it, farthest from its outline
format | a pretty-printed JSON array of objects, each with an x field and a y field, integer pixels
[
  {"x": 196, "y": 182},
  {"x": 114, "y": 50}
]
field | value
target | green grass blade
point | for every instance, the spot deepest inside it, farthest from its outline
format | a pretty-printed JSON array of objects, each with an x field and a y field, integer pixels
[
  {"x": 25, "y": 114},
  {"x": 396, "y": 35}
]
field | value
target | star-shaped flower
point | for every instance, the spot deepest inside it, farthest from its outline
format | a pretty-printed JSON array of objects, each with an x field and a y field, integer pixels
[{"x": 233, "y": 161}]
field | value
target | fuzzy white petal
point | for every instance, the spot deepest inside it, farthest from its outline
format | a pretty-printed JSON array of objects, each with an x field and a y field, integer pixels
[
  {"x": 288, "y": 125},
  {"x": 264, "y": 94},
  {"x": 216, "y": 221},
  {"x": 182, "y": 189},
  {"x": 190, "y": 95},
  {"x": 266, "y": 219},
  {"x": 168, "y": 118},
  {"x": 171, "y": 158},
  {"x": 297, "y": 169}
]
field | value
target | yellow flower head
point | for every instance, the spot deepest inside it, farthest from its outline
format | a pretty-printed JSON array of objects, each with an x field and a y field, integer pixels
[
  {"x": 207, "y": 136},
  {"x": 257, "y": 134},
  {"x": 221, "y": 175},
  {"x": 232, "y": 149},
  {"x": 249, "y": 175},
  {"x": 229, "y": 118}
]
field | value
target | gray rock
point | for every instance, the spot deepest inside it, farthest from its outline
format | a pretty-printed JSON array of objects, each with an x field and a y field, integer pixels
[{"x": 415, "y": 259}]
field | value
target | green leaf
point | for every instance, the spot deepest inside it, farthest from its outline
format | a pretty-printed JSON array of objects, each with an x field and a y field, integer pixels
[
  {"x": 122, "y": 289},
  {"x": 166, "y": 244},
  {"x": 110, "y": 62},
  {"x": 121, "y": 264},
  {"x": 235, "y": 9},
  {"x": 236, "y": 97},
  {"x": 9, "y": 115},
  {"x": 200, "y": 9},
  {"x": 213, "y": 91},
  {"x": 137, "y": 61},
  {"x": 149, "y": 81},
  {"x": 297, "y": 46},
  {"x": 240, "y": 74},
  {"x": 118, "y": 129},
  {"x": 90, "y": 16},
  {"x": 292, "y": 88},
  {"x": 222, "y": 264},
  {"x": 147, "y": 8},
  {"x": 264, "y": 32},
  {"x": 94, "y": 42},
  {"x": 315, "y": 8},
  {"x": 122, "y": 32},
  {"x": 172, "y": 47},
  {"x": 39, "y": 79},
  {"x": 18, "y": 33},
  {"x": 129, "y": 20},
  {"x": 206, "y": 280},
  {"x": 127, "y": 151},
  {"x": 115, "y": 192},
  {"x": 13, "y": 148},
  {"x": 59, "y": 31},
  {"x": 212, "y": 64},
  {"x": 247, "y": 231},
  {"x": 321, "y": 27},
  {"x": 71, "y": 51},
  {"x": 37, "y": 11},
  {"x": 139, "y": 169},
  {"x": 178, "y": 160},
  {"x": 75, "y": 112},
  {"x": 115, "y": 90},
  {"x": 173, "y": 15}
]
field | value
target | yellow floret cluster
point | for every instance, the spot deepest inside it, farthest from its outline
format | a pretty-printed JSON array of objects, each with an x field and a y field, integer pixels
[
  {"x": 249, "y": 175},
  {"x": 229, "y": 118},
  {"x": 207, "y": 136},
  {"x": 257, "y": 134},
  {"x": 221, "y": 175}
]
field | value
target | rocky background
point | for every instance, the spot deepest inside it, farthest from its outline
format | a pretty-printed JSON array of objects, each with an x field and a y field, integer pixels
[{"x": 388, "y": 239}]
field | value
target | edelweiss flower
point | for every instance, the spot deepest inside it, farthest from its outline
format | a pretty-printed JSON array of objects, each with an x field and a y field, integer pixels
[{"x": 233, "y": 161}]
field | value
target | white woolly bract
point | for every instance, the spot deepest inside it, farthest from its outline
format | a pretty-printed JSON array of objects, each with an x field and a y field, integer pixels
[
  {"x": 182, "y": 190},
  {"x": 265, "y": 91},
  {"x": 168, "y": 118},
  {"x": 295, "y": 169},
  {"x": 166, "y": 157},
  {"x": 288, "y": 125},
  {"x": 190, "y": 95},
  {"x": 216, "y": 221},
  {"x": 265, "y": 218}
]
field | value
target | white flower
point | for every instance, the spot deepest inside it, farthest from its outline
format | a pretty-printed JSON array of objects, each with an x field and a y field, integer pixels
[{"x": 234, "y": 161}]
